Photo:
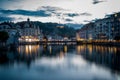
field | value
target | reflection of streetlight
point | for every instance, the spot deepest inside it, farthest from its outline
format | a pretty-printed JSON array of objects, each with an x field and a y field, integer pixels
[
  {"x": 50, "y": 49},
  {"x": 65, "y": 49},
  {"x": 61, "y": 54},
  {"x": 30, "y": 48},
  {"x": 26, "y": 49},
  {"x": 78, "y": 49}
]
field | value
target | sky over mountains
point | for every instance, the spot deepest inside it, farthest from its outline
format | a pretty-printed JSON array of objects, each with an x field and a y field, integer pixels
[{"x": 61, "y": 11}]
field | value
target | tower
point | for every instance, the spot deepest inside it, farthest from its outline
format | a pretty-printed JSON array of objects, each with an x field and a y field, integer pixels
[
  {"x": 28, "y": 19},
  {"x": 38, "y": 30}
]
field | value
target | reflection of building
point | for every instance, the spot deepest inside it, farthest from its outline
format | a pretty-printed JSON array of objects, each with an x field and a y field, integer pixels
[
  {"x": 29, "y": 50},
  {"x": 102, "y": 55},
  {"x": 30, "y": 32}
]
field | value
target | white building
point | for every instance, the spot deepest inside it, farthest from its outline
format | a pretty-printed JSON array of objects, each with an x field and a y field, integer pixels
[
  {"x": 107, "y": 28},
  {"x": 29, "y": 32}
]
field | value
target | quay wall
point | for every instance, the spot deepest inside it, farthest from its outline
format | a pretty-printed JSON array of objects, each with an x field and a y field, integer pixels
[{"x": 106, "y": 43}]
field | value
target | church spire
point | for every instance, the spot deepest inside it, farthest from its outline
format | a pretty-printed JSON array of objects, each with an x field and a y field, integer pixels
[{"x": 28, "y": 19}]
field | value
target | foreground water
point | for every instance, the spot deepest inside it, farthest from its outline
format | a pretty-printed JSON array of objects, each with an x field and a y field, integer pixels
[{"x": 60, "y": 62}]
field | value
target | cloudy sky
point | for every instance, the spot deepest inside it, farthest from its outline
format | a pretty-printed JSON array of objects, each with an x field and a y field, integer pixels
[{"x": 63, "y": 11}]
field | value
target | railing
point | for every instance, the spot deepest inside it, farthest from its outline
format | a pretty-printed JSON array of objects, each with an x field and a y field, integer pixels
[{"x": 48, "y": 42}]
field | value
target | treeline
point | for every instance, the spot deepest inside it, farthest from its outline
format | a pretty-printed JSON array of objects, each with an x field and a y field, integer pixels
[{"x": 53, "y": 28}]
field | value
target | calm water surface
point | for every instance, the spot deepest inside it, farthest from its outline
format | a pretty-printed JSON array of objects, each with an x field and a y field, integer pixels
[{"x": 60, "y": 62}]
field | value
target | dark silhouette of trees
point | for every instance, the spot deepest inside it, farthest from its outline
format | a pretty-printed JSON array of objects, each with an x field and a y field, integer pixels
[
  {"x": 53, "y": 28},
  {"x": 4, "y": 37}
]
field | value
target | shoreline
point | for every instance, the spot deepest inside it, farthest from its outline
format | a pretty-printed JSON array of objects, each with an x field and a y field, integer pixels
[
  {"x": 101, "y": 43},
  {"x": 107, "y": 43}
]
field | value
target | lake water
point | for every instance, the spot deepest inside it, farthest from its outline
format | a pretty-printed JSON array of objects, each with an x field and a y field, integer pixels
[{"x": 60, "y": 62}]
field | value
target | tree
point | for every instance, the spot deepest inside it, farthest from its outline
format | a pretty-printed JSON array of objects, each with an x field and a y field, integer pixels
[{"x": 3, "y": 36}]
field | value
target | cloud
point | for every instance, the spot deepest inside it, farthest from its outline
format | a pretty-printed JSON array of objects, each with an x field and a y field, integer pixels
[
  {"x": 38, "y": 13},
  {"x": 85, "y": 14},
  {"x": 54, "y": 11},
  {"x": 68, "y": 20},
  {"x": 6, "y": 19},
  {"x": 7, "y": 3},
  {"x": 87, "y": 21},
  {"x": 51, "y": 9},
  {"x": 77, "y": 14},
  {"x": 71, "y": 14},
  {"x": 97, "y": 1},
  {"x": 43, "y": 11},
  {"x": 20, "y": 18}
]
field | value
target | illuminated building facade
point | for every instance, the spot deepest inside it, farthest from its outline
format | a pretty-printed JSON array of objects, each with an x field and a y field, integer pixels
[
  {"x": 30, "y": 32},
  {"x": 107, "y": 28},
  {"x": 86, "y": 32}
]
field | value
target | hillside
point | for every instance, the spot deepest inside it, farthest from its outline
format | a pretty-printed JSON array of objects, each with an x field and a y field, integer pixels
[{"x": 53, "y": 28}]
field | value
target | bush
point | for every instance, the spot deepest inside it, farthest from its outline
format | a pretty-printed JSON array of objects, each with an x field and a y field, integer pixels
[{"x": 4, "y": 36}]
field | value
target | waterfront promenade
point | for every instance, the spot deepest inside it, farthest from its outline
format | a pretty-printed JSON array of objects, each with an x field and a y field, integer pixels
[
  {"x": 93, "y": 42},
  {"x": 100, "y": 42}
]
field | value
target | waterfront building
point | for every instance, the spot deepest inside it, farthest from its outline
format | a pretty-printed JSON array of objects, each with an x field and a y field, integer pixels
[
  {"x": 90, "y": 31},
  {"x": 82, "y": 33},
  {"x": 115, "y": 26},
  {"x": 12, "y": 32},
  {"x": 86, "y": 32},
  {"x": 101, "y": 29},
  {"x": 30, "y": 32},
  {"x": 107, "y": 28}
]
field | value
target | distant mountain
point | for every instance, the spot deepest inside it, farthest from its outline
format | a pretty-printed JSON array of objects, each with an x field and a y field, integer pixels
[{"x": 75, "y": 26}]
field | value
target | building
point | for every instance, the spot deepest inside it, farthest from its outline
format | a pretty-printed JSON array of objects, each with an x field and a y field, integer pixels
[
  {"x": 90, "y": 31},
  {"x": 86, "y": 32},
  {"x": 115, "y": 26},
  {"x": 101, "y": 29},
  {"x": 107, "y": 28},
  {"x": 30, "y": 32},
  {"x": 12, "y": 31}
]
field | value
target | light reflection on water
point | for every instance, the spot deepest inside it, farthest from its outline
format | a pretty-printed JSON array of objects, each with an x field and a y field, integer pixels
[{"x": 61, "y": 62}]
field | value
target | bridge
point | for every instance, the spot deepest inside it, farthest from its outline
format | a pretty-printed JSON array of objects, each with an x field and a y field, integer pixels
[{"x": 48, "y": 42}]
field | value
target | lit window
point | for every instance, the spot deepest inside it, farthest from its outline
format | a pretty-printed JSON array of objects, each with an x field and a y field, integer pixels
[{"x": 115, "y": 15}]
